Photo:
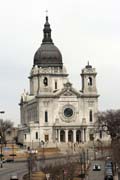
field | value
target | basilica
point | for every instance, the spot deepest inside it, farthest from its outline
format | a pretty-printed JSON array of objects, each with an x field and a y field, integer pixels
[{"x": 54, "y": 111}]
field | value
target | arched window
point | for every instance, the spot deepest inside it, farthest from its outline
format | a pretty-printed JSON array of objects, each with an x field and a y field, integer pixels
[
  {"x": 55, "y": 84},
  {"x": 89, "y": 81},
  {"x": 46, "y": 116},
  {"x": 36, "y": 135},
  {"x": 45, "y": 81},
  {"x": 90, "y": 116}
]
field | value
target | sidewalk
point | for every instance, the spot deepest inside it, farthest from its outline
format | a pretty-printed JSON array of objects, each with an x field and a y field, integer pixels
[{"x": 116, "y": 177}]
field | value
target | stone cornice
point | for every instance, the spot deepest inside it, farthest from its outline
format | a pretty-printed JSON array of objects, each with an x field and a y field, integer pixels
[
  {"x": 48, "y": 74},
  {"x": 90, "y": 95}
]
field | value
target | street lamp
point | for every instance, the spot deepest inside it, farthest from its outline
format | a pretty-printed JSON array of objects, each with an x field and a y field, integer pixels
[
  {"x": 43, "y": 148},
  {"x": 31, "y": 161},
  {"x": 2, "y": 112},
  {"x": 1, "y": 151}
]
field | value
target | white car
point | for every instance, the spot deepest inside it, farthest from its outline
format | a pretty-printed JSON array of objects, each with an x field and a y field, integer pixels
[
  {"x": 3, "y": 161},
  {"x": 14, "y": 177},
  {"x": 96, "y": 167}
]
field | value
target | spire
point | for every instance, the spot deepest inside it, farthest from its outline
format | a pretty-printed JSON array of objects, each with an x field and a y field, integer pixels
[
  {"x": 88, "y": 65},
  {"x": 47, "y": 32}
]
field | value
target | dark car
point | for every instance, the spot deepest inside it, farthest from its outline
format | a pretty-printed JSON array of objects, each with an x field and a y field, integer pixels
[
  {"x": 9, "y": 160},
  {"x": 108, "y": 177}
]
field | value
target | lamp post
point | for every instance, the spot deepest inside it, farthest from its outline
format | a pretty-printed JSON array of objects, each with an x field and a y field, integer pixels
[
  {"x": 43, "y": 148},
  {"x": 1, "y": 151},
  {"x": 31, "y": 161},
  {"x": 1, "y": 112}
]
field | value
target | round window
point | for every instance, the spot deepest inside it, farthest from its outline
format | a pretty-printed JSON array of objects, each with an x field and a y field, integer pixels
[{"x": 68, "y": 112}]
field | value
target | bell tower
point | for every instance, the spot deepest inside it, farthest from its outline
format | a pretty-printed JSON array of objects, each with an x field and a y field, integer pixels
[{"x": 89, "y": 80}]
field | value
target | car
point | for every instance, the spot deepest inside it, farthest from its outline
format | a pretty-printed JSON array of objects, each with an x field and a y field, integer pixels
[
  {"x": 96, "y": 167},
  {"x": 109, "y": 172},
  {"x": 14, "y": 177},
  {"x": 108, "y": 177},
  {"x": 109, "y": 164},
  {"x": 9, "y": 160},
  {"x": 3, "y": 161}
]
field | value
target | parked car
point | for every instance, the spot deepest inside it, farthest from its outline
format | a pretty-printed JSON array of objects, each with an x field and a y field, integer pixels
[
  {"x": 109, "y": 164},
  {"x": 108, "y": 177},
  {"x": 14, "y": 177},
  {"x": 9, "y": 160},
  {"x": 3, "y": 161}
]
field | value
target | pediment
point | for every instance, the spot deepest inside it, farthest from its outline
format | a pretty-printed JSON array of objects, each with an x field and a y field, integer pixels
[{"x": 69, "y": 91}]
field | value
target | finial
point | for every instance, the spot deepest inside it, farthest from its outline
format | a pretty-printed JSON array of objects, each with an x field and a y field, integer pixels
[
  {"x": 46, "y": 15},
  {"x": 88, "y": 65},
  {"x": 47, "y": 31},
  {"x": 46, "y": 12}
]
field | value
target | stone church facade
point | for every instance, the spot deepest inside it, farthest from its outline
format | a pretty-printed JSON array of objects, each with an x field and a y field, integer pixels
[{"x": 54, "y": 111}]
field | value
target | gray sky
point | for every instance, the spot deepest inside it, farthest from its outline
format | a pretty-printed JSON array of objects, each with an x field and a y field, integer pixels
[{"x": 82, "y": 29}]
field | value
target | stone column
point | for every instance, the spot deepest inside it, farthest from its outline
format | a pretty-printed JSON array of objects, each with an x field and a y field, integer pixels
[
  {"x": 87, "y": 134},
  {"x": 58, "y": 135},
  {"x": 66, "y": 135},
  {"x": 84, "y": 134},
  {"x": 74, "y": 135}
]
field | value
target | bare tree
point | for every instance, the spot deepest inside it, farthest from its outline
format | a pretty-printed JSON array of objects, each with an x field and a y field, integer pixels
[
  {"x": 109, "y": 121},
  {"x": 4, "y": 126}
]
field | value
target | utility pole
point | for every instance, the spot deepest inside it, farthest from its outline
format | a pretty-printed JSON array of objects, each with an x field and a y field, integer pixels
[
  {"x": 2, "y": 112},
  {"x": 1, "y": 152}
]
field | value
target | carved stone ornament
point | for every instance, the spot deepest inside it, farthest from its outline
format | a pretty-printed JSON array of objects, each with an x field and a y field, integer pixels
[{"x": 68, "y": 93}]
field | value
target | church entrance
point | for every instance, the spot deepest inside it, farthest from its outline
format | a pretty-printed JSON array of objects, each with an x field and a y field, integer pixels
[
  {"x": 78, "y": 136},
  {"x": 46, "y": 137},
  {"x": 70, "y": 136},
  {"x": 62, "y": 136}
]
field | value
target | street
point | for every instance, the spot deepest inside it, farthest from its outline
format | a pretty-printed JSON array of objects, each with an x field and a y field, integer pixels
[
  {"x": 20, "y": 168},
  {"x": 96, "y": 175},
  {"x": 13, "y": 168}
]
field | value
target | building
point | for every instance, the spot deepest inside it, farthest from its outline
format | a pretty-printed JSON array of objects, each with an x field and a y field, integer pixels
[{"x": 54, "y": 111}]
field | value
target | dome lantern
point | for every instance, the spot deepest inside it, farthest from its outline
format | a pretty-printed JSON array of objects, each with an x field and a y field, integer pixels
[{"x": 48, "y": 55}]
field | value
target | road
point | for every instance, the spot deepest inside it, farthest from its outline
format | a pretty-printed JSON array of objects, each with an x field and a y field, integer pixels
[
  {"x": 96, "y": 175},
  {"x": 13, "y": 168},
  {"x": 20, "y": 168}
]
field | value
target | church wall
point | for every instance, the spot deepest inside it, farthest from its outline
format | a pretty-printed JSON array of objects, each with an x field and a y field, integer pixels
[
  {"x": 34, "y": 85},
  {"x": 65, "y": 102},
  {"x": 50, "y": 107}
]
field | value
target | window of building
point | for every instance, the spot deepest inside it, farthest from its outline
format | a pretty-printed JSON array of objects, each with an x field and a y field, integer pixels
[
  {"x": 89, "y": 81},
  {"x": 55, "y": 84},
  {"x": 46, "y": 137},
  {"x": 91, "y": 137},
  {"x": 90, "y": 116},
  {"x": 36, "y": 135},
  {"x": 100, "y": 134},
  {"x": 25, "y": 136},
  {"x": 45, "y": 81},
  {"x": 46, "y": 116}
]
